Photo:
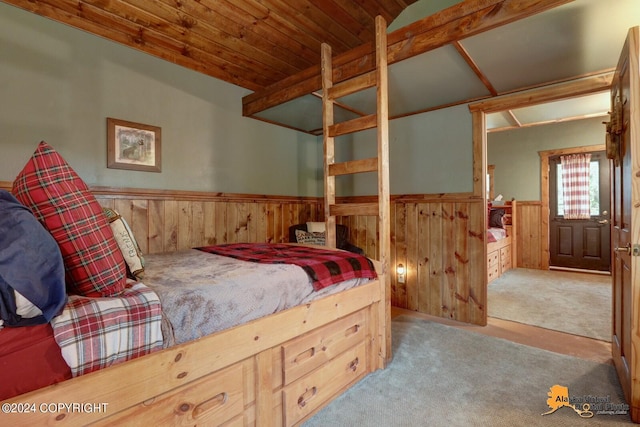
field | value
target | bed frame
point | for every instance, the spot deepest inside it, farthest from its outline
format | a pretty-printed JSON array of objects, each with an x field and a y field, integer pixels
[
  {"x": 277, "y": 370},
  {"x": 502, "y": 255}
]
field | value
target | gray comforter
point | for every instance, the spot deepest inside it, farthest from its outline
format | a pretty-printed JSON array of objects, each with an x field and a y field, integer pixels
[{"x": 202, "y": 293}]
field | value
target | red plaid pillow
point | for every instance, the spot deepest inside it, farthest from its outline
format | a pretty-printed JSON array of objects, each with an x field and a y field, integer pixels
[{"x": 63, "y": 203}]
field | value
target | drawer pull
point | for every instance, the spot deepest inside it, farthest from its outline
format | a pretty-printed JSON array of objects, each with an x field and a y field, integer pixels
[
  {"x": 354, "y": 364},
  {"x": 307, "y": 354},
  {"x": 352, "y": 330},
  {"x": 307, "y": 396},
  {"x": 215, "y": 402}
]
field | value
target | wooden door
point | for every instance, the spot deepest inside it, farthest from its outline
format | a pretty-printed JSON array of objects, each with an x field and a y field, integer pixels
[
  {"x": 625, "y": 186},
  {"x": 581, "y": 243}
]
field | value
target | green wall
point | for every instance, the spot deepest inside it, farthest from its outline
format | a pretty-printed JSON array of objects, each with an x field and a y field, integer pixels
[
  {"x": 429, "y": 153},
  {"x": 59, "y": 84},
  {"x": 515, "y": 153}
]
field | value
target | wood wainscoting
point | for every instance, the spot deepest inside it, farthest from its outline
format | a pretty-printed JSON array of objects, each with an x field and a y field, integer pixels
[
  {"x": 531, "y": 247},
  {"x": 170, "y": 220},
  {"x": 440, "y": 241},
  {"x": 438, "y": 238}
]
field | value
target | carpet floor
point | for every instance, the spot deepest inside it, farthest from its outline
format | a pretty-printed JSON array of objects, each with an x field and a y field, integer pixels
[
  {"x": 443, "y": 376},
  {"x": 575, "y": 303}
]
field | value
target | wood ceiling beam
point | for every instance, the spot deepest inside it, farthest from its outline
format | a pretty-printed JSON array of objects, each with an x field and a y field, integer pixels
[
  {"x": 476, "y": 69},
  {"x": 454, "y": 23},
  {"x": 571, "y": 89},
  {"x": 548, "y": 122},
  {"x": 514, "y": 118}
]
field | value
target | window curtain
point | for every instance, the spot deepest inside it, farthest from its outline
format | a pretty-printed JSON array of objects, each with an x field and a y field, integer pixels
[{"x": 575, "y": 185}]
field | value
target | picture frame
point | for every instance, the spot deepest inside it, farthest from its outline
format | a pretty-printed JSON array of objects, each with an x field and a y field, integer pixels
[{"x": 133, "y": 146}]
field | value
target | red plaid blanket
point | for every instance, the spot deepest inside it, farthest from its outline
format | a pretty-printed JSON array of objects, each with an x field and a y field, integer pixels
[
  {"x": 324, "y": 267},
  {"x": 94, "y": 333}
]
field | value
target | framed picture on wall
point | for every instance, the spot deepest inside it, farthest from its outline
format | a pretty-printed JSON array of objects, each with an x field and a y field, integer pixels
[{"x": 133, "y": 146}]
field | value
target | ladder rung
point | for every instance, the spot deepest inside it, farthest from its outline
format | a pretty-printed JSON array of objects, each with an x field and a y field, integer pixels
[
  {"x": 354, "y": 166},
  {"x": 355, "y": 125},
  {"x": 355, "y": 84},
  {"x": 348, "y": 209}
]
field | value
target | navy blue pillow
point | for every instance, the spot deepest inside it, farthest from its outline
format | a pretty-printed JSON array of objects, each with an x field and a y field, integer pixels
[{"x": 30, "y": 263}]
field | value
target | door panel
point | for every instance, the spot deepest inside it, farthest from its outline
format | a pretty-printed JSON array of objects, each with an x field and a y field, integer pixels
[
  {"x": 581, "y": 243},
  {"x": 624, "y": 126}
]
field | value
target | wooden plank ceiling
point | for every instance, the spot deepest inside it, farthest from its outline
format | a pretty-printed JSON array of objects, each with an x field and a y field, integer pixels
[
  {"x": 250, "y": 43},
  {"x": 272, "y": 47}
]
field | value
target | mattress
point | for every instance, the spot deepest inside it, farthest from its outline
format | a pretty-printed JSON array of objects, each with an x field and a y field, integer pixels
[
  {"x": 29, "y": 359},
  {"x": 203, "y": 293}
]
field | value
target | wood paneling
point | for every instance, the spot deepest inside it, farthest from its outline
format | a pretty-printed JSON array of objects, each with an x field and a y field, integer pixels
[
  {"x": 249, "y": 43},
  {"x": 166, "y": 220},
  {"x": 438, "y": 238},
  {"x": 529, "y": 245},
  {"x": 440, "y": 242}
]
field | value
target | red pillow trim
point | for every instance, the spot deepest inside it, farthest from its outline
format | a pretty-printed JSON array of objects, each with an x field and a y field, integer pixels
[{"x": 63, "y": 203}]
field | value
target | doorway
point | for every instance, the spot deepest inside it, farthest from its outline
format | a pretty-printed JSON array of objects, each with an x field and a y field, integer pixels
[{"x": 511, "y": 297}]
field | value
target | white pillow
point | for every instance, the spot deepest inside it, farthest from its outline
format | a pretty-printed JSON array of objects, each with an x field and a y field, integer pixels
[
  {"x": 26, "y": 308},
  {"x": 316, "y": 227}
]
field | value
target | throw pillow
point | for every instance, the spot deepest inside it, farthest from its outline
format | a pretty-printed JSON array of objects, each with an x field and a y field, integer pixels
[
  {"x": 496, "y": 218},
  {"x": 32, "y": 283},
  {"x": 127, "y": 242},
  {"x": 316, "y": 227},
  {"x": 310, "y": 238},
  {"x": 62, "y": 202}
]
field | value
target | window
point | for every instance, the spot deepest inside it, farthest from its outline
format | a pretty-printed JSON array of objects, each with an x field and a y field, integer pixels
[{"x": 594, "y": 188}]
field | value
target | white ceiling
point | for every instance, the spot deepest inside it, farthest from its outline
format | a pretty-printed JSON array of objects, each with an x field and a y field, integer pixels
[{"x": 578, "y": 39}]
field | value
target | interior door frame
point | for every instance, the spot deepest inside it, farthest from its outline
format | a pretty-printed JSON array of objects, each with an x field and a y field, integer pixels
[
  {"x": 544, "y": 190},
  {"x": 479, "y": 110}
]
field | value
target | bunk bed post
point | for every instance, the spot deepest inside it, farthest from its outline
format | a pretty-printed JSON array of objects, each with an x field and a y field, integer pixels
[
  {"x": 384, "y": 225},
  {"x": 329, "y": 150},
  {"x": 379, "y": 164}
]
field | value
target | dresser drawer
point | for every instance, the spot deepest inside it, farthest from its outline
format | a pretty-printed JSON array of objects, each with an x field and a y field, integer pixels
[
  {"x": 304, "y": 354},
  {"x": 310, "y": 392}
]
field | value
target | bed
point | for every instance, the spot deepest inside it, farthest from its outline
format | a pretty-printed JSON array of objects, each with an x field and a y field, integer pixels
[
  {"x": 276, "y": 367},
  {"x": 501, "y": 232}
]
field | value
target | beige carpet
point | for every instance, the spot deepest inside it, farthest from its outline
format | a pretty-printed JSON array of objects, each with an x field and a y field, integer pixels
[
  {"x": 444, "y": 376},
  {"x": 576, "y": 303}
]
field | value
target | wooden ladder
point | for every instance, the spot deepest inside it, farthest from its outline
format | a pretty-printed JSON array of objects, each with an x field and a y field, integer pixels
[{"x": 330, "y": 93}]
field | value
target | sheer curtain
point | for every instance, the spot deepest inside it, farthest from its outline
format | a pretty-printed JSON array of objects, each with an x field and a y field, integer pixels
[{"x": 575, "y": 185}]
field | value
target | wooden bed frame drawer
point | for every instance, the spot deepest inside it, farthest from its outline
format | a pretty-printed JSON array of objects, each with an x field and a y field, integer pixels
[
  {"x": 493, "y": 272},
  {"x": 310, "y": 392},
  {"x": 505, "y": 258},
  {"x": 304, "y": 354},
  {"x": 214, "y": 399},
  {"x": 493, "y": 259}
]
